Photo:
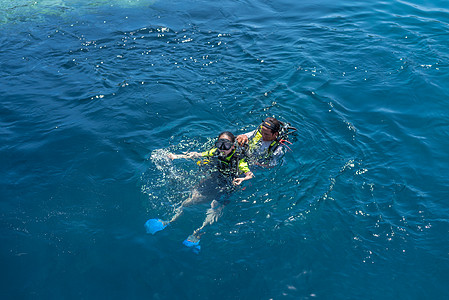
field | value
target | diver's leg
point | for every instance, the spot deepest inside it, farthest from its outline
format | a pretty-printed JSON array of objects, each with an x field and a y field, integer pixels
[
  {"x": 194, "y": 198},
  {"x": 154, "y": 225},
  {"x": 212, "y": 215}
]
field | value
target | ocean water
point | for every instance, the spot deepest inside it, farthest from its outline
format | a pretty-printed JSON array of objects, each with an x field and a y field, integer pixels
[{"x": 95, "y": 93}]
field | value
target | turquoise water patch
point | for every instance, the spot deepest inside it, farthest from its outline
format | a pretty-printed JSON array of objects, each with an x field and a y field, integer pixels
[{"x": 38, "y": 11}]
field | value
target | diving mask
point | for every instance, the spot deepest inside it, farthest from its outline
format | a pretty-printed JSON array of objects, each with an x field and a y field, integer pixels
[{"x": 223, "y": 144}]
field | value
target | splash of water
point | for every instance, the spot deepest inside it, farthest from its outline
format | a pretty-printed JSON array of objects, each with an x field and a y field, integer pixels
[{"x": 167, "y": 183}]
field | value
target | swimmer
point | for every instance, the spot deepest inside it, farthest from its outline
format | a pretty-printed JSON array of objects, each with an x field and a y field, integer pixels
[
  {"x": 228, "y": 169},
  {"x": 265, "y": 145}
]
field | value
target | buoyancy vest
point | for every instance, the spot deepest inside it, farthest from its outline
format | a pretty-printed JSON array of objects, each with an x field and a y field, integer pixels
[
  {"x": 256, "y": 139},
  {"x": 230, "y": 165}
]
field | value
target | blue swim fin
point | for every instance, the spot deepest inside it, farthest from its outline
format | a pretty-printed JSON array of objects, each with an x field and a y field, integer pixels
[
  {"x": 154, "y": 225},
  {"x": 193, "y": 242}
]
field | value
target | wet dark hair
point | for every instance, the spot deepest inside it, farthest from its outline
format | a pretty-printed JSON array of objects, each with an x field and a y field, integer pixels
[
  {"x": 273, "y": 124},
  {"x": 227, "y": 134}
]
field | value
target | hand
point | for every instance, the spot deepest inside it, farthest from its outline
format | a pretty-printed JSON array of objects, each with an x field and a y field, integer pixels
[
  {"x": 242, "y": 140},
  {"x": 238, "y": 181}
]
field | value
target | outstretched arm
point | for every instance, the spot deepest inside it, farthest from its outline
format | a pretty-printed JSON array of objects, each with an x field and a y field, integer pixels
[{"x": 186, "y": 155}]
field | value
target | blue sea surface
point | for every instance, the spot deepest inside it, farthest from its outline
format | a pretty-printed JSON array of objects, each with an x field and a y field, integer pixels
[{"x": 94, "y": 94}]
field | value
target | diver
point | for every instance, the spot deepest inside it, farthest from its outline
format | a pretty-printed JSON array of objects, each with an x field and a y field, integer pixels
[
  {"x": 226, "y": 166},
  {"x": 266, "y": 144}
]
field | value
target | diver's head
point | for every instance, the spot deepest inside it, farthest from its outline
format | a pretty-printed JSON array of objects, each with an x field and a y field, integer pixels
[
  {"x": 270, "y": 129},
  {"x": 225, "y": 143}
]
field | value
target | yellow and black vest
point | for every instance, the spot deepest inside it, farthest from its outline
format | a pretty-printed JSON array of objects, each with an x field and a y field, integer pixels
[
  {"x": 256, "y": 139},
  {"x": 229, "y": 165}
]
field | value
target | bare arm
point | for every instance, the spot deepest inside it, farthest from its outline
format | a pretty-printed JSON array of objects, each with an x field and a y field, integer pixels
[
  {"x": 186, "y": 155},
  {"x": 239, "y": 180}
]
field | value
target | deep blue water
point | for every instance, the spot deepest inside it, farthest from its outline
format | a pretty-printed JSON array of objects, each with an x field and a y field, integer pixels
[{"x": 93, "y": 95}]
